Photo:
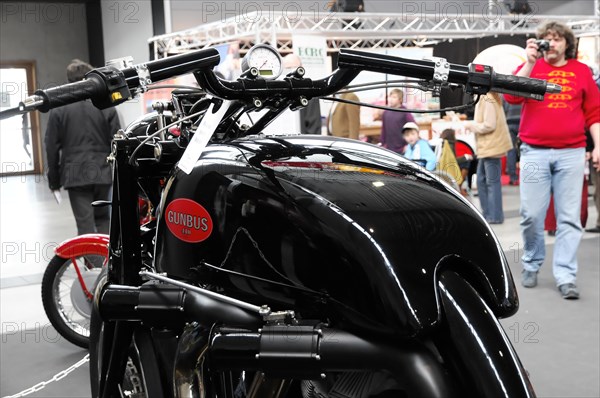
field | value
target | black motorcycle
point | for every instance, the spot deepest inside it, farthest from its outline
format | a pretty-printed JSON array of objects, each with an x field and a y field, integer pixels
[{"x": 291, "y": 266}]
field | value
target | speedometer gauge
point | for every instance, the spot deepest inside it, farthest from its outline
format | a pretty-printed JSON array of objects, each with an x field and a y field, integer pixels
[{"x": 264, "y": 58}]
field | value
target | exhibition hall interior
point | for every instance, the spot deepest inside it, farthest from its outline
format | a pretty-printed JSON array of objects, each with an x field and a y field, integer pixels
[{"x": 300, "y": 198}]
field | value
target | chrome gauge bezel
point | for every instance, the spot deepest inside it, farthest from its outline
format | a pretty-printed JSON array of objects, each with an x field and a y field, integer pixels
[{"x": 246, "y": 61}]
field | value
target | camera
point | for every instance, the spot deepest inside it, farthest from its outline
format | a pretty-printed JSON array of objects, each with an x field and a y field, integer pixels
[{"x": 543, "y": 45}]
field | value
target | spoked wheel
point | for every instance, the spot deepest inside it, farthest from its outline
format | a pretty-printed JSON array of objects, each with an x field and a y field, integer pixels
[
  {"x": 133, "y": 385},
  {"x": 67, "y": 293}
]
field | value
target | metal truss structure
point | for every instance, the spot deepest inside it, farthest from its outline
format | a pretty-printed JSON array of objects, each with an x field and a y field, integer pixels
[{"x": 358, "y": 30}]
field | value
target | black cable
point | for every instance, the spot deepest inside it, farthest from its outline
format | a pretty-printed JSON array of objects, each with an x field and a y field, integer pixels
[
  {"x": 196, "y": 104},
  {"x": 420, "y": 88},
  {"x": 175, "y": 86},
  {"x": 386, "y": 82},
  {"x": 387, "y": 108},
  {"x": 135, "y": 151}
]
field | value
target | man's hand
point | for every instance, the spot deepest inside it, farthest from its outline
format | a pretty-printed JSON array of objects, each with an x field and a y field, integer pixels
[
  {"x": 596, "y": 158},
  {"x": 533, "y": 54},
  {"x": 532, "y": 51},
  {"x": 595, "y": 133}
]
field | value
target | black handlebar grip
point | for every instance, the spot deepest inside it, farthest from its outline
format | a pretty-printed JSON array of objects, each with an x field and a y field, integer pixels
[
  {"x": 523, "y": 86},
  {"x": 70, "y": 93}
]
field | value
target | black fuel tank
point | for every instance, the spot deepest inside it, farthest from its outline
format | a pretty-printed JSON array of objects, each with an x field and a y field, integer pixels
[{"x": 328, "y": 227}]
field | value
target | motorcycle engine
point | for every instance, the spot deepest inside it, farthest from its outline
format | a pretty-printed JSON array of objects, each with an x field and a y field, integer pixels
[{"x": 353, "y": 385}]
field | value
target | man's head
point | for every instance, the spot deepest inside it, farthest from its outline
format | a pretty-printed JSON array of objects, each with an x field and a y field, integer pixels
[
  {"x": 292, "y": 61},
  {"x": 395, "y": 98},
  {"x": 563, "y": 44},
  {"x": 410, "y": 132},
  {"x": 448, "y": 134},
  {"x": 77, "y": 69}
]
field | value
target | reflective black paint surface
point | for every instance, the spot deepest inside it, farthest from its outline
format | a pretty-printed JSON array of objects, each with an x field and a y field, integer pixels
[{"x": 334, "y": 228}]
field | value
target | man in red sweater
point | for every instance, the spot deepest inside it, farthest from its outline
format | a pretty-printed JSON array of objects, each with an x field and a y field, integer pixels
[{"x": 553, "y": 153}]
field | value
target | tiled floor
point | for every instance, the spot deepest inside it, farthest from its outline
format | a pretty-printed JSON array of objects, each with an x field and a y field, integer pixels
[{"x": 557, "y": 340}]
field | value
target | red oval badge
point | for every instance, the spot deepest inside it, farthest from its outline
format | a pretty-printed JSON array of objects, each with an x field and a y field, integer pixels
[{"x": 188, "y": 220}]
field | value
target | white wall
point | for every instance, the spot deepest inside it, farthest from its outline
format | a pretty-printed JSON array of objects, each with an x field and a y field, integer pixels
[
  {"x": 126, "y": 28},
  {"x": 50, "y": 34}
]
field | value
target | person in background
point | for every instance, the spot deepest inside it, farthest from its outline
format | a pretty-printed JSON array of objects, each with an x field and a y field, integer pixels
[
  {"x": 310, "y": 115},
  {"x": 553, "y": 153},
  {"x": 464, "y": 162},
  {"x": 513, "y": 119},
  {"x": 595, "y": 177},
  {"x": 393, "y": 121},
  {"x": 78, "y": 139},
  {"x": 344, "y": 120},
  {"x": 418, "y": 149},
  {"x": 346, "y": 6},
  {"x": 493, "y": 141},
  {"x": 595, "y": 173}
]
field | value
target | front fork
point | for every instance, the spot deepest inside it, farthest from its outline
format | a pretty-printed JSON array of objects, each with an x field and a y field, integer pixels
[{"x": 125, "y": 263}]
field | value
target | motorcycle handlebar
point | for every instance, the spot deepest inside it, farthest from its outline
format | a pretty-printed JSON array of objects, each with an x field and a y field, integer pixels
[
  {"x": 173, "y": 66},
  {"x": 388, "y": 64},
  {"x": 479, "y": 78},
  {"x": 108, "y": 86}
]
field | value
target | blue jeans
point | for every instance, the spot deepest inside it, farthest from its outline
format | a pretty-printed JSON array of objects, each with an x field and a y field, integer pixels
[
  {"x": 511, "y": 159},
  {"x": 489, "y": 186},
  {"x": 560, "y": 171}
]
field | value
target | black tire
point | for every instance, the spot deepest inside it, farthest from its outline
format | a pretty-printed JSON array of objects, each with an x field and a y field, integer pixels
[
  {"x": 141, "y": 375},
  {"x": 65, "y": 303},
  {"x": 97, "y": 333},
  {"x": 474, "y": 345}
]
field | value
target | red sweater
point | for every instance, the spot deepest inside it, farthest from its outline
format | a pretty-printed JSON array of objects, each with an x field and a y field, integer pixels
[{"x": 560, "y": 120}]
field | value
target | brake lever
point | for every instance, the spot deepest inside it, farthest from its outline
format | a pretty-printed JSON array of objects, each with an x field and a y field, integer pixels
[
  {"x": 28, "y": 104},
  {"x": 10, "y": 112}
]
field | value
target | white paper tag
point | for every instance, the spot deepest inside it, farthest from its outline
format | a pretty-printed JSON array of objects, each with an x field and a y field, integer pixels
[
  {"x": 57, "y": 196},
  {"x": 205, "y": 130}
]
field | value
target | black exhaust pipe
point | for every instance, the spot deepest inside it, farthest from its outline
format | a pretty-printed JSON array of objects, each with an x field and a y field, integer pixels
[
  {"x": 159, "y": 304},
  {"x": 309, "y": 352},
  {"x": 282, "y": 351}
]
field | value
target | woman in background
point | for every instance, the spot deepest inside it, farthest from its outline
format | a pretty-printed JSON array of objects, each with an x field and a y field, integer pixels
[{"x": 493, "y": 141}]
